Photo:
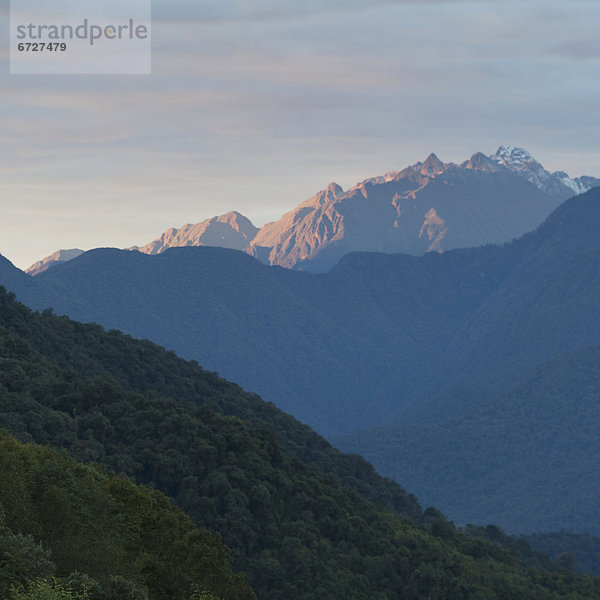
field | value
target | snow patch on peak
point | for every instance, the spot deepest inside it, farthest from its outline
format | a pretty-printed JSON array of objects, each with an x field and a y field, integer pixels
[
  {"x": 574, "y": 184},
  {"x": 385, "y": 178},
  {"x": 557, "y": 184},
  {"x": 513, "y": 157},
  {"x": 521, "y": 162},
  {"x": 509, "y": 149}
]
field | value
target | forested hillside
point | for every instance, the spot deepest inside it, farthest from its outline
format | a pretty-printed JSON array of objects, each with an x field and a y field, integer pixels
[
  {"x": 140, "y": 366},
  {"x": 93, "y": 531},
  {"x": 295, "y": 530}
]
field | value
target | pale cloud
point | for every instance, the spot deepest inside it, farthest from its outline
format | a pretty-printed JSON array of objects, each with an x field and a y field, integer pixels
[
  {"x": 248, "y": 11},
  {"x": 256, "y": 105}
]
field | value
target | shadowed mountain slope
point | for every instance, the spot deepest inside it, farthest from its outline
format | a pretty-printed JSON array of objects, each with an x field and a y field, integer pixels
[
  {"x": 296, "y": 531},
  {"x": 526, "y": 459},
  {"x": 391, "y": 339}
]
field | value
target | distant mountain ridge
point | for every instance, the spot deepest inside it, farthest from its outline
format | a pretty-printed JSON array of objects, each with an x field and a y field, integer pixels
[
  {"x": 231, "y": 230},
  {"x": 428, "y": 206},
  {"x": 417, "y": 343},
  {"x": 58, "y": 257}
]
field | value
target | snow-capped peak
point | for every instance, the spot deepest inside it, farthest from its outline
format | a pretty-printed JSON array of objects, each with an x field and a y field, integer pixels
[
  {"x": 514, "y": 158},
  {"x": 521, "y": 162}
]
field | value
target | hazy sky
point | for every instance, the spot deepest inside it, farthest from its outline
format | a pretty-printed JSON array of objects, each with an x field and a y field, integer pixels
[{"x": 257, "y": 105}]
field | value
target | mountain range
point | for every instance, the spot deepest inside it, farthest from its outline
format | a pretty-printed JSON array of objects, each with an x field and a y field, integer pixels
[
  {"x": 428, "y": 206},
  {"x": 391, "y": 354}
]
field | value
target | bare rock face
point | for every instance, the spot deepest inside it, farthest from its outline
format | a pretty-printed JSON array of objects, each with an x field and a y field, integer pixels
[
  {"x": 300, "y": 234},
  {"x": 429, "y": 206},
  {"x": 434, "y": 228},
  {"x": 60, "y": 256},
  {"x": 231, "y": 230}
]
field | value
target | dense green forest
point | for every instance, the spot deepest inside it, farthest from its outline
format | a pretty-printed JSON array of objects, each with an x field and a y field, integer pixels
[
  {"x": 99, "y": 533},
  {"x": 139, "y": 365},
  {"x": 294, "y": 529}
]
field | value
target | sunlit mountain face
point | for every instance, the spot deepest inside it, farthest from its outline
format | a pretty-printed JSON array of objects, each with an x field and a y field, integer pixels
[{"x": 428, "y": 206}]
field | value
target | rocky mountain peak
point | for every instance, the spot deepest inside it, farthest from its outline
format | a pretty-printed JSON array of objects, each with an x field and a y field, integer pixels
[
  {"x": 231, "y": 230},
  {"x": 238, "y": 222},
  {"x": 334, "y": 189},
  {"x": 480, "y": 162},
  {"x": 432, "y": 166},
  {"x": 332, "y": 192}
]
